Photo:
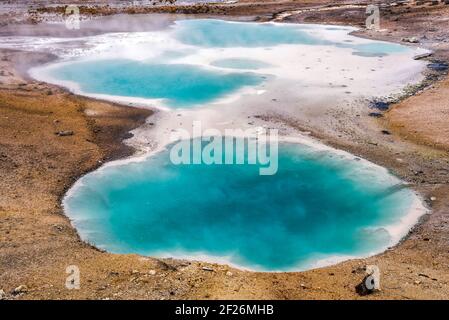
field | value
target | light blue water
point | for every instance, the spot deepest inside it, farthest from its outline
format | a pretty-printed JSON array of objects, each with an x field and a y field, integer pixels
[
  {"x": 312, "y": 208},
  {"x": 183, "y": 85},
  {"x": 219, "y": 33},
  {"x": 180, "y": 85}
]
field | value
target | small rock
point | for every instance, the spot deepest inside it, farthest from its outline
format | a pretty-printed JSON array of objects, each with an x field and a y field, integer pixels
[
  {"x": 422, "y": 56},
  {"x": 375, "y": 114},
  {"x": 58, "y": 227},
  {"x": 417, "y": 282},
  {"x": 438, "y": 66},
  {"x": 433, "y": 198},
  {"x": 410, "y": 40},
  {"x": 64, "y": 133},
  {"x": 386, "y": 132},
  {"x": 152, "y": 272},
  {"x": 208, "y": 269},
  {"x": 380, "y": 105},
  {"x": 229, "y": 274},
  {"x": 20, "y": 289}
]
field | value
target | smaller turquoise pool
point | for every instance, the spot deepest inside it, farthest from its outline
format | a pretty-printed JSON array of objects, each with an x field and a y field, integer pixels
[
  {"x": 224, "y": 34},
  {"x": 179, "y": 85}
]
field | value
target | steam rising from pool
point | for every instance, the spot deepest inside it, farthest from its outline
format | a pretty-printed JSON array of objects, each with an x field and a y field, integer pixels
[{"x": 203, "y": 62}]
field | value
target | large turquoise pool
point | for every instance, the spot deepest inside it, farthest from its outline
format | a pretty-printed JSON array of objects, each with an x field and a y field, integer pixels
[{"x": 319, "y": 205}]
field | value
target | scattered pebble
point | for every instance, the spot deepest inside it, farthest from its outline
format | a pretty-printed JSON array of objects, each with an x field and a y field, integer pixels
[
  {"x": 64, "y": 133},
  {"x": 152, "y": 272},
  {"x": 422, "y": 56},
  {"x": 207, "y": 269},
  {"x": 380, "y": 105},
  {"x": 410, "y": 40},
  {"x": 20, "y": 289},
  {"x": 229, "y": 274},
  {"x": 438, "y": 66},
  {"x": 375, "y": 114},
  {"x": 58, "y": 227}
]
